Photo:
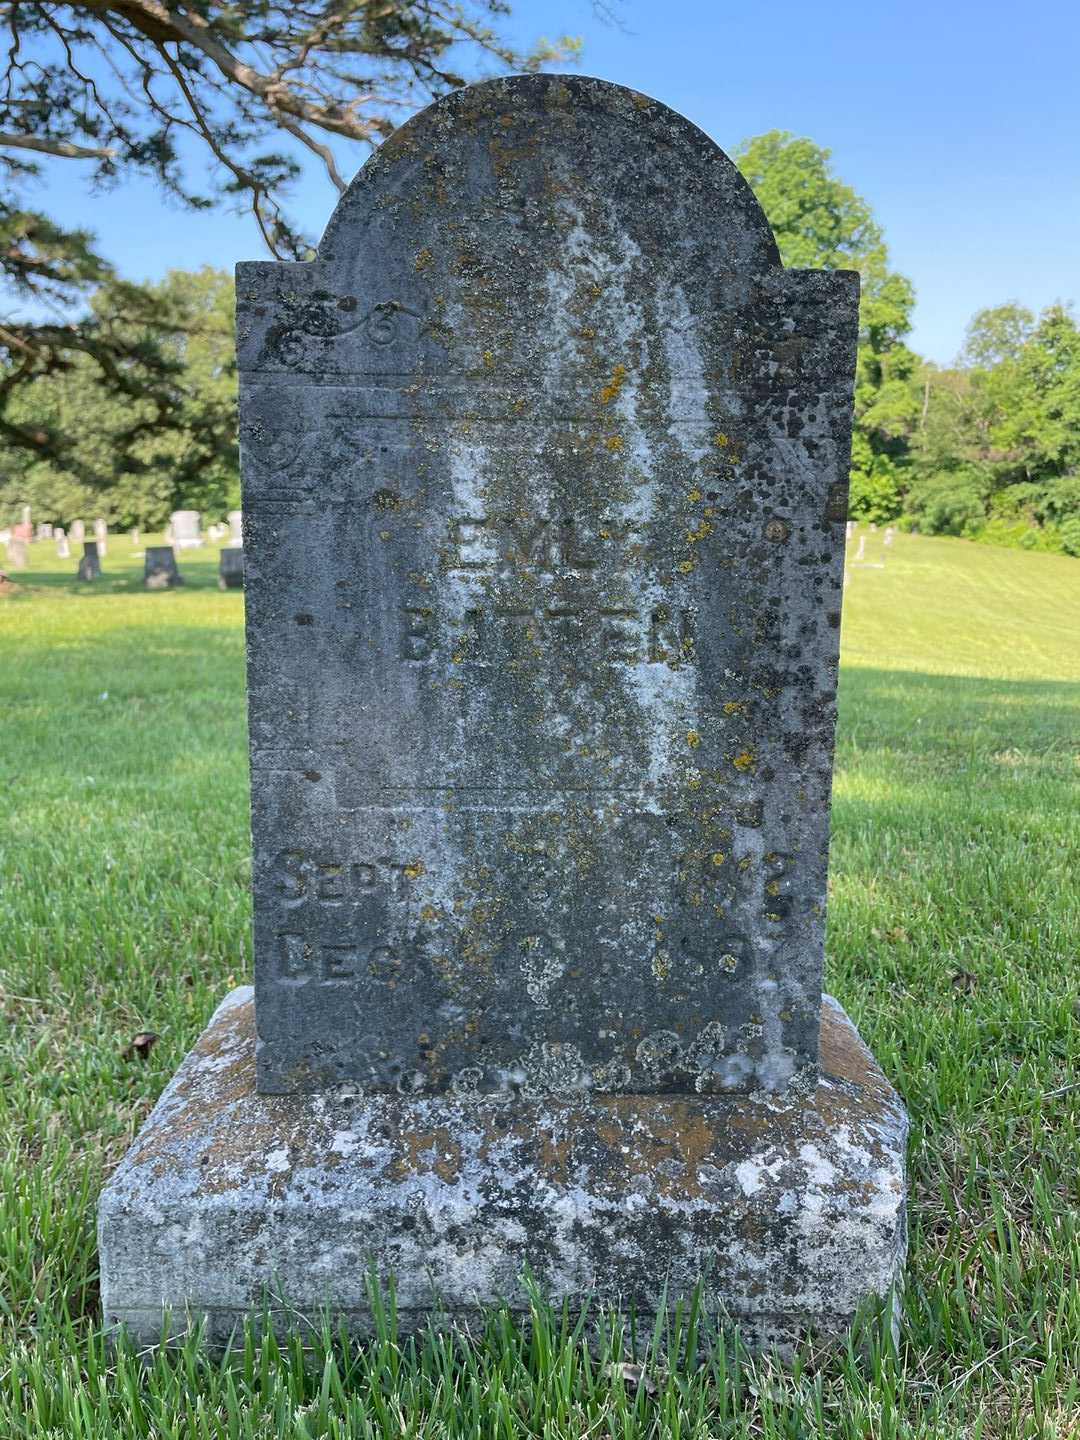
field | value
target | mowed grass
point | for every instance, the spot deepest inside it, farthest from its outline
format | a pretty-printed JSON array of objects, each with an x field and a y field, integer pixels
[{"x": 954, "y": 926}]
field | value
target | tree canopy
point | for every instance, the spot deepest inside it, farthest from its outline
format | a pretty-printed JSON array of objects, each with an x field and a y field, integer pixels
[{"x": 220, "y": 103}]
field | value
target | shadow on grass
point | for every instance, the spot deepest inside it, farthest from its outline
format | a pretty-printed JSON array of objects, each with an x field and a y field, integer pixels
[{"x": 127, "y": 581}]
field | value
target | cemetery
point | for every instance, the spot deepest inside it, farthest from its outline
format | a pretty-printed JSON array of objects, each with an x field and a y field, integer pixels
[{"x": 548, "y": 906}]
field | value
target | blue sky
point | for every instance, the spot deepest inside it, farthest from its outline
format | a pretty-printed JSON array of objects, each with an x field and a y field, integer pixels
[{"x": 958, "y": 121}]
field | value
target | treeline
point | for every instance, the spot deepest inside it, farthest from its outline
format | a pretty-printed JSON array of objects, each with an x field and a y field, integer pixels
[{"x": 988, "y": 448}]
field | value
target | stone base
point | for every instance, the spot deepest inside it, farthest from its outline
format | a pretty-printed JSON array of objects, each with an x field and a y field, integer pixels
[{"x": 791, "y": 1211}]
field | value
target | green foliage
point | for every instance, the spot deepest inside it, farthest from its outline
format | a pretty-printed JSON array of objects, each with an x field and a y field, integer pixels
[
  {"x": 117, "y": 459},
  {"x": 996, "y": 454}
]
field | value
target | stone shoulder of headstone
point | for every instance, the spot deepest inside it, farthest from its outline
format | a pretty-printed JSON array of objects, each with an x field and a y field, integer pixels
[{"x": 90, "y": 564}]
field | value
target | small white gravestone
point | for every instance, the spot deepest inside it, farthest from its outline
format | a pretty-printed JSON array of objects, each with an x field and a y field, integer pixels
[
  {"x": 101, "y": 536},
  {"x": 185, "y": 527},
  {"x": 16, "y": 554},
  {"x": 63, "y": 549},
  {"x": 236, "y": 529},
  {"x": 850, "y": 529},
  {"x": 862, "y": 548},
  {"x": 78, "y": 531},
  {"x": 889, "y": 533},
  {"x": 873, "y": 528}
]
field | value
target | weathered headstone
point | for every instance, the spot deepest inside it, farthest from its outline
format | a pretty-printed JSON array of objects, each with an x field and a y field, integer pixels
[
  {"x": 44, "y": 530},
  {"x": 63, "y": 549},
  {"x": 185, "y": 529},
  {"x": 861, "y": 551},
  {"x": 101, "y": 537},
  {"x": 16, "y": 552},
  {"x": 849, "y": 529},
  {"x": 90, "y": 564},
  {"x": 544, "y": 468},
  {"x": 159, "y": 568},
  {"x": 77, "y": 532},
  {"x": 888, "y": 537},
  {"x": 135, "y": 537},
  {"x": 231, "y": 568},
  {"x": 236, "y": 527}
]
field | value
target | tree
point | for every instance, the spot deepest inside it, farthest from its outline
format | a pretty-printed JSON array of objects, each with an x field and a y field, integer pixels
[
  {"x": 997, "y": 333},
  {"x": 821, "y": 223},
  {"x": 144, "y": 85},
  {"x": 118, "y": 460}
]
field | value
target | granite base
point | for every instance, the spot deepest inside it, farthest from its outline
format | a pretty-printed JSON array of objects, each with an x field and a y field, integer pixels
[{"x": 229, "y": 1202}]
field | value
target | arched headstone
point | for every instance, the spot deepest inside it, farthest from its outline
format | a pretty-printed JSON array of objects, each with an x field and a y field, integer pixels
[{"x": 544, "y": 467}]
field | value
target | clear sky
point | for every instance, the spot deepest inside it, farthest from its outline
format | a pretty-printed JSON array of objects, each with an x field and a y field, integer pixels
[{"x": 958, "y": 121}]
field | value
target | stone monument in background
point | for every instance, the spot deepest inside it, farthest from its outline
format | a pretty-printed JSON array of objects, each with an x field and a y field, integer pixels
[
  {"x": 231, "y": 568},
  {"x": 101, "y": 537},
  {"x": 90, "y": 564},
  {"x": 78, "y": 531},
  {"x": 160, "y": 570},
  {"x": 544, "y": 468},
  {"x": 236, "y": 527},
  {"x": 186, "y": 534}
]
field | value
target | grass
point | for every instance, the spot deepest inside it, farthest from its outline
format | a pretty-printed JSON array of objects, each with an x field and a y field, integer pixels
[{"x": 953, "y": 936}]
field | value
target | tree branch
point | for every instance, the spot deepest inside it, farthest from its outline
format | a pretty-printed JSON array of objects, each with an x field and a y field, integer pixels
[{"x": 67, "y": 148}]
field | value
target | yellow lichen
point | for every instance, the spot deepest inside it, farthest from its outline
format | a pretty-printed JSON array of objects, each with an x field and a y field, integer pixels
[
  {"x": 614, "y": 385},
  {"x": 693, "y": 739},
  {"x": 735, "y": 707},
  {"x": 720, "y": 439},
  {"x": 686, "y": 566},
  {"x": 718, "y": 857},
  {"x": 429, "y": 913},
  {"x": 745, "y": 760},
  {"x": 424, "y": 259},
  {"x": 695, "y": 496},
  {"x": 614, "y": 442},
  {"x": 415, "y": 869}
]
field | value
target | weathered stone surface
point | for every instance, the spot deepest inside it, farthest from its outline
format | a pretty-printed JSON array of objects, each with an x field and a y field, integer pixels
[
  {"x": 186, "y": 534},
  {"x": 544, "y": 471},
  {"x": 90, "y": 564},
  {"x": 793, "y": 1208},
  {"x": 16, "y": 553},
  {"x": 231, "y": 569},
  {"x": 160, "y": 571}
]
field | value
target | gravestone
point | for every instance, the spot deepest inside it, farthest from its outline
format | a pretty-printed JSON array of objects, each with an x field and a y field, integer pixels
[
  {"x": 170, "y": 534},
  {"x": 861, "y": 551},
  {"x": 849, "y": 529},
  {"x": 159, "y": 568},
  {"x": 63, "y": 549},
  {"x": 101, "y": 537},
  {"x": 185, "y": 529},
  {"x": 44, "y": 531},
  {"x": 77, "y": 532},
  {"x": 23, "y": 531},
  {"x": 90, "y": 564},
  {"x": 236, "y": 527},
  {"x": 544, "y": 465},
  {"x": 16, "y": 552},
  {"x": 135, "y": 537},
  {"x": 26, "y": 514},
  {"x": 888, "y": 536},
  {"x": 231, "y": 568}
]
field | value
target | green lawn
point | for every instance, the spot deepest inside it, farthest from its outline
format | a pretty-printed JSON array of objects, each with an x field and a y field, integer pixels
[{"x": 954, "y": 929}]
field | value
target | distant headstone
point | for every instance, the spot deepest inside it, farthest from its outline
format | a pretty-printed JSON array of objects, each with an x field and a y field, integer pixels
[
  {"x": 888, "y": 537},
  {"x": 861, "y": 551},
  {"x": 101, "y": 537},
  {"x": 44, "y": 531},
  {"x": 135, "y": 537},
  {"x": 63, "y": 549},
  {"x": 23, "y": 531},
  {"x": 544, "y": 471},
  {"x": 849, "y": 529},
  {"x": 77, "y": 532},
  {"x": 236, "y": 527},
  {"x": 873, "y": 528},
  {"x": 16, "y": 552},
  {"x": 159, "y": 568},
  {"x": 231, "y": 569},
  {"x": 26, "y": 513},
  {"x": 185, "y": 527},
  {"x": 90, "y": 564},
  {"x": 170, "y": 534}
]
